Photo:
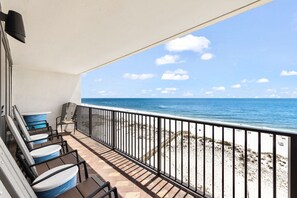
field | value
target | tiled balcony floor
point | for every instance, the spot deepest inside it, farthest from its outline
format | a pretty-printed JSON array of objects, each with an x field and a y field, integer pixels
[{"x": 131, "y": 179}]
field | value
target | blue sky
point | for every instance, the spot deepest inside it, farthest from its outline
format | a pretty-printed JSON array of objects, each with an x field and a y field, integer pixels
[{"x": 252, "y": 55}]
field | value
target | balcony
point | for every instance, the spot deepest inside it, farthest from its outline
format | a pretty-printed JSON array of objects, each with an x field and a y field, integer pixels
[{"x": 161, "y": 156}]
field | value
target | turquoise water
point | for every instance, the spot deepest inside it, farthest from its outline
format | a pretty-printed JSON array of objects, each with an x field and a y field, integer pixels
[{"x": 272, "y": 113}]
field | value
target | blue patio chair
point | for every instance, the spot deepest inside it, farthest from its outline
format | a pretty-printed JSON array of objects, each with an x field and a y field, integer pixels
[
  {"x": 42, "y": 138},
  {"x": 35, "y": 155},
  {"x": 35, "y": 127},
  {"x": 57, "y": 182}
]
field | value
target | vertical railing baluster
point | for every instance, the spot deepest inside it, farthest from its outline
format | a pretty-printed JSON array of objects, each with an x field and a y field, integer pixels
[
  {"x": 107, "y": 127},
  {"x": 259, "y": 165},
  {"x": 132, "y": 134},
  {"x": 155, "y": 142},
  {"x": 233, "y": 163},
  {"x": 113, "y": 137},
  {"x": 138, "y": 132},
  {"x": 204, "y": 168},
  {"x": 128, "y": 134},
  {"x": 159, "y": 146},
  {"x": 212, "y": 160},
  {"x": 245, "y": 165},
  {"x": 90, "y": 122},
  {"x": 182, "y": 152},
  {"x": 142, "y": 138},
  {"x": 123, "y": 132},
  {"x": 274, "y": 165},
  {"x": 170, "y": 148},
  {"x": 175, "y": 165},
  {"x": 150, "y": 141},
  {"x": 196, "y": 157},
  {"x": 104, "y": 136},
  {"x": 164, "y": 159},
  {"x": 145, "y": 138},
  {"x": 189, "y": 144},
  {"x": 110, "y": 129},
  {"x": 223, "y": 162},
  {"x": 292, "y": 166}
]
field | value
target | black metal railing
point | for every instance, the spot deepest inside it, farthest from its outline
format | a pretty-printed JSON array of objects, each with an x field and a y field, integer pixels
[{"x": 210, "y": 159}]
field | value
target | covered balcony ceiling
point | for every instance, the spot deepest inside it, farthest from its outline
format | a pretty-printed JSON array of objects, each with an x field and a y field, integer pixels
[{"x": 75, "y": 36}]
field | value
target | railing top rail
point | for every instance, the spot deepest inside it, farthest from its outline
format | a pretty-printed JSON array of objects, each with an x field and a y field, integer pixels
[{"x": 198, "y": 121}]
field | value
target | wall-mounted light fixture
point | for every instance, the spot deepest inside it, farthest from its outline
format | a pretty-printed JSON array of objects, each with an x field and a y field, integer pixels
[{"x": 14, "y": 25}]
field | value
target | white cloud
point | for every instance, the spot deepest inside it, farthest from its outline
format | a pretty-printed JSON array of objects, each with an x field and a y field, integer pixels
[
  {"x": 221, "y": 88},
  {"x": 288, "y": 73},
  {"x": 167, "y": 59},
  {"x": 209, "y": 93},
  {"x": 244, "y": 81},
  {"x": 262, "y": 80},
  {"x": 188, "y": 43},
  {"x": 178, "y": 74},
  {"x": 170, "y": 90},
  {"x": 236, "y": 86},
  {"x": 207, "y": 56},
  {"x": 138, "y": 76}
]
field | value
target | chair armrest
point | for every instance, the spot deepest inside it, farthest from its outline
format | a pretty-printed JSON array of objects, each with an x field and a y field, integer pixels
[
  {"x": 47, "y": 138},
  {"x": 63, "y": 143},
  {"x": 113, "y": 190},
  {"x": 41, "y": 130},
  {"x": 106, "y": 184},
  {"x": 70, "y": 152},
  {"x": 83, "y": 162},
  {"x": 53, "y": 174},
  {"x": 58, "y": 118}
]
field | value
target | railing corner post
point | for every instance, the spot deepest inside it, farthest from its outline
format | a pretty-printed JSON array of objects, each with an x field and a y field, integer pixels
[
  {"x": 159, "y": 145},
  {"x": 292, "y": 166}
]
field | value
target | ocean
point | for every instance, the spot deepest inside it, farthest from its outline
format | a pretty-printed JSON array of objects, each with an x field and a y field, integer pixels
[{"x": 273, "y": 113}]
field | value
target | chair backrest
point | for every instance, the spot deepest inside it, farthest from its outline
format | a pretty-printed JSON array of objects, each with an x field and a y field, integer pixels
[
  {"x": 22, "y": 118},
  {"x": 12, "y": 177},
  {"x": 23, "y": 128},
  {"x": 68, "y": 111},
  {"x": 20, "y": 142}
]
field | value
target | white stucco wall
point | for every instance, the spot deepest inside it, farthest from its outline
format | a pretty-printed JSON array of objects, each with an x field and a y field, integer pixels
[{"x": 39, "y": 91}]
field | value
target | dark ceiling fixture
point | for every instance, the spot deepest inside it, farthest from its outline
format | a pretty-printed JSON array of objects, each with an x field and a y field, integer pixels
[{"x": 14, "y": 25}]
